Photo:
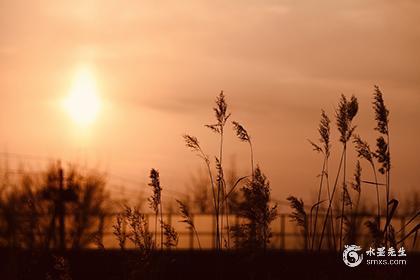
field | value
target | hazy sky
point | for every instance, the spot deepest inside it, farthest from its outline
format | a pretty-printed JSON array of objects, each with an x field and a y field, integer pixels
[{"x": 158, "y": 66}]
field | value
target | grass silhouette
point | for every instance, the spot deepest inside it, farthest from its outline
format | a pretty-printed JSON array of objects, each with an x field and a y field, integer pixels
[{"x": 29, "y": 213}]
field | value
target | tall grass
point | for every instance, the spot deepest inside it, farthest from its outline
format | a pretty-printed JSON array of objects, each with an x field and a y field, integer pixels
[
  {"x": 352, "y": 224},
  {"x": 222, "y": 115},
  {"x": 299, "y": 216},
  {"x": 171, "y": 236},
  {"x": 193, "y": 143},
  {"x": 188, "y": 219},
  {"x": 346, "y": 111},
  {"x": 364, "y": 151},
  {"x": 244, "y": 136},
  {"x": 255, "y": 234},
  {"x": 155, "y": 202},
  {"x": 383, "y": 153},
  {"x": 221, "y": 206},
  {"x": 221, "y": 196},
  {"x": 324, "y": 132}
]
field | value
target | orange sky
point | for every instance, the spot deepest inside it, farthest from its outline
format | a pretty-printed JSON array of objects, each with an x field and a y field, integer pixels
[{"x": 159, "y": 65}]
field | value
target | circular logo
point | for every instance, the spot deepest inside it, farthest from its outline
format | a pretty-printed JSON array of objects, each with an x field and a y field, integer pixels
[{"x": 350, "y": 256}]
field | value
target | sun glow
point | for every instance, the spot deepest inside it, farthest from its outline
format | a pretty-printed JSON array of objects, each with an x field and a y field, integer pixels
[{"x": 83, "y": 103}]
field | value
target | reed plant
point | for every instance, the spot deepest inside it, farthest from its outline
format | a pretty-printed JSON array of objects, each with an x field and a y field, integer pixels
[
  {"x": 352, "y": 221},
  {"x": 382, "y": 153},
  {"x": 364, "y": 152},
  {"x": 345, "y": 113},
  {"x": 171, "y": 236},
  {"x": 244, "y": 136},
  {"x": 300, "y": 217},
  {"x": 193, "y": 143},
  {"x": 119, "y": 230},
  {"x": 324, "y": 148},
  {"x": 155, "y": 202},
  {"x": 255, "y": 233},
  {"x": 139, "y": 233},
  {"x": 222, "y": 115},
  {"x": 219, "y": 184},
  {"x": 188, "y": 219}
]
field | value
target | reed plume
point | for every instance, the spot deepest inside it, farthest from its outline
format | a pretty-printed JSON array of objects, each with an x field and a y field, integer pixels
[
  {"x": 188, "y": 219},
  {"x": 324, "y": 133},
  {"x": 193, "y": 143},
  {"x": 357, "y": 183},
  {"x": 353, "y": 223},
  {"x": 381, "y": 112},
  {"x": 364, "y": 152},
  {"x": 255, "y": 233},
  {"x": 155, "y": 201},
  {"x": 222, "y": 115},
  {"x": 345, "y": 113},
  {"x": 382, "y": 155},
  {"x": 382, "y": 152},
  {"x": 346, "y": 196},
  {"x": 171, "y": 236},
  {"x": 244, "y": 136},
  {"x": 139, "y": 233},
  {"x": 299, "y": 217}
]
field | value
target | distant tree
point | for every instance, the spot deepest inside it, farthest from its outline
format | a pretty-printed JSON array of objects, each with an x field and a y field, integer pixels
[
  {"x": 199, "y": 197},
  {"x": 30, "y": 209},
  {"x": 89, "y": 210}
]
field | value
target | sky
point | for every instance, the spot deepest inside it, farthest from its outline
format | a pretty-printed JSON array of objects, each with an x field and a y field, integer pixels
[{"x": 158, "y": 66}]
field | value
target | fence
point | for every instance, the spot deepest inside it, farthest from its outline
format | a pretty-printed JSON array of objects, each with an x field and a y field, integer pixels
[{"x": 285, "y": 234}]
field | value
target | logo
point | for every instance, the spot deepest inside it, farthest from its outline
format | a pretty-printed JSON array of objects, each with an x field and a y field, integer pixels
[{"x": 351, "y": 257}]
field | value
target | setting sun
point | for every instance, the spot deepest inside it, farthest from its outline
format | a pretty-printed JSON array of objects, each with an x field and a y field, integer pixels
[{"x": 83, "y": 103}]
